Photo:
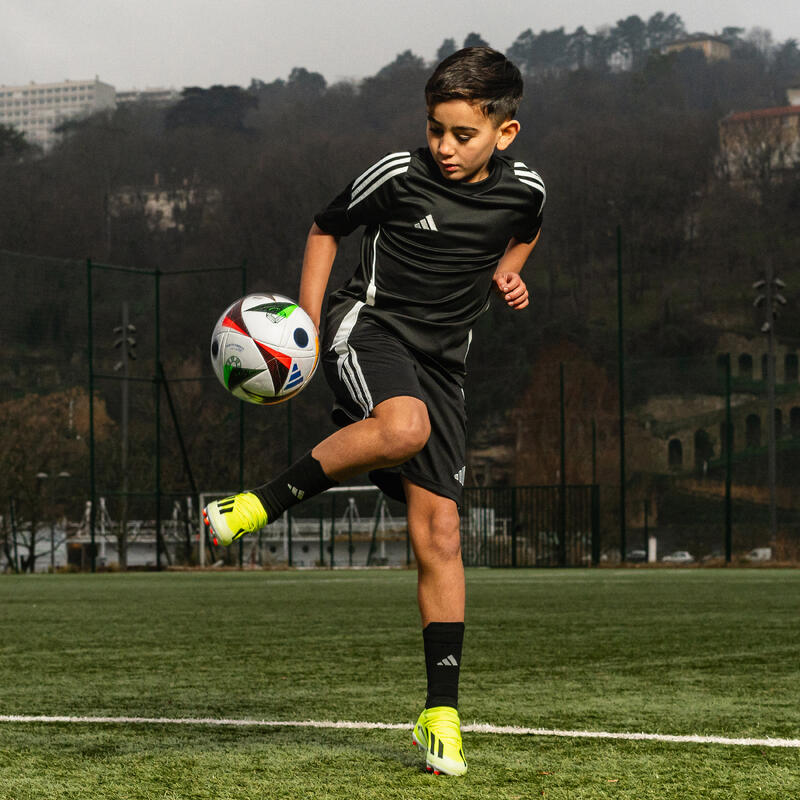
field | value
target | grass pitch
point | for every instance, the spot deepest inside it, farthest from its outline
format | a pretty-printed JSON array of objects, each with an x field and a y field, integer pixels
[{"x": 710, "y": 652}]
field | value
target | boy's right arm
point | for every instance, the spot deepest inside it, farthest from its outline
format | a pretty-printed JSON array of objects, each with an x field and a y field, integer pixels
[{"x": 318, "y": 260}]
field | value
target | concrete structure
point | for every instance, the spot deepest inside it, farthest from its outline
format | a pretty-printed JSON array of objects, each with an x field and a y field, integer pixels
[
  {"x": 713, "y": 48},
  {"x": 36, "y": 109},
  {"x": 154, "y": 96}
]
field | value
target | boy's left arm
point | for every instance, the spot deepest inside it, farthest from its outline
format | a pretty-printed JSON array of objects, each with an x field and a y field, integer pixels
[{"x": 507, "y": 279}]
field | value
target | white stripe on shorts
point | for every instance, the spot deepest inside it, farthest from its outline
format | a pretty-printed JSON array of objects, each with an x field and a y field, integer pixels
[{"x": 347, "y": 363}]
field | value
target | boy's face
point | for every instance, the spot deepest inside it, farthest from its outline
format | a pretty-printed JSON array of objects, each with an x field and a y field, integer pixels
[{"x": 462, "y": 138}]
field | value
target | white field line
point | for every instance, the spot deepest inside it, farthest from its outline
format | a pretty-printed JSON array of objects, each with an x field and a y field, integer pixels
[{"x": 470, "y": 728}]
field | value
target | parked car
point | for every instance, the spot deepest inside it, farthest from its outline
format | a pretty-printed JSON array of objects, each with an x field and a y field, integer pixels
[
  {"x": 679, "y": 557},
  {"x": 637, "y": 556}
]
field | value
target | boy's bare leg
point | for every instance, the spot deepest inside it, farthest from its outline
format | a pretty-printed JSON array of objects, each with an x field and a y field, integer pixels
[
  {"x": 434, "y": 529},
  {"x": 396, "y": 430},
  {"x": 433, "y": 524}
]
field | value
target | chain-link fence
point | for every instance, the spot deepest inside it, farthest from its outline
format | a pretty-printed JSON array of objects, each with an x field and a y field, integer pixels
[
  {"x": 114, "y": 482},
  {"x": 699, "y": 462}
]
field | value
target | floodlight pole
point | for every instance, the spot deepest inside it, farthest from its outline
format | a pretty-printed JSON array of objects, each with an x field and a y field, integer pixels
[
  {"x": 126, "y": 342},
  {"x": 771, "y": 298},
  {"x": 90, "y": 353},
  {"x": 771, "y": 465}
]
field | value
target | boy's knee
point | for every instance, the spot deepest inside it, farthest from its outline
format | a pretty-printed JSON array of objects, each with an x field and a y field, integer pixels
[{"x": 443, "y": 535}]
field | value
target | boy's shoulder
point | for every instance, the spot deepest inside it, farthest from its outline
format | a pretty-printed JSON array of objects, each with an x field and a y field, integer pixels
[{"x": 518, "y": 171}]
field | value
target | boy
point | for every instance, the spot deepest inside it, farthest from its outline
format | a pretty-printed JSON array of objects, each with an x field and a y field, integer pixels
[{"x": 443, "y": 224}]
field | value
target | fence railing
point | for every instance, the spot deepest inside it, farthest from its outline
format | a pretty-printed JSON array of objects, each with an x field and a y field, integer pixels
[
  {"x": 531, "y": 526},
  {"x": 521, "y": 526}
]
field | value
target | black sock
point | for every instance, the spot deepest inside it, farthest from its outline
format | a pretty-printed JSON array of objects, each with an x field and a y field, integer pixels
[
  {"x": 443, "y": 642},
  {"x": 304, "y": 479}
]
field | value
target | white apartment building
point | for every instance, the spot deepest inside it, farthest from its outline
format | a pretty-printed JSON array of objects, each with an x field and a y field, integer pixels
[{"x": 36, "y": 109}]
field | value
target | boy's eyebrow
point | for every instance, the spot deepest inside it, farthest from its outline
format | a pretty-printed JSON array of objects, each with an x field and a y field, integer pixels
[{"x": 455, "y": 127}]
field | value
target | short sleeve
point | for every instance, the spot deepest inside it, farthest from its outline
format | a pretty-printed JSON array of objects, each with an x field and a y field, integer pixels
[
  {"x": 368, "y": 199},
  {"x": 532, "y": 219}
]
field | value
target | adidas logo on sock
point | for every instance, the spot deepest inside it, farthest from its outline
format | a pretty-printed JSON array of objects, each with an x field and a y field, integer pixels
[
  {"x": 298, "y": 493},
  {"x": 450, "y": 661}
]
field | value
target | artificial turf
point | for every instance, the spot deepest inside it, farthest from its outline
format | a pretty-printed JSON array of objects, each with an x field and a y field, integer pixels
[{"x": 681, "y": 651}]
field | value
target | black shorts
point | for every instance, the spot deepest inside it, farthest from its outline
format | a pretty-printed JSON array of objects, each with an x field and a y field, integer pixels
[{"x": 366, "y": 364}]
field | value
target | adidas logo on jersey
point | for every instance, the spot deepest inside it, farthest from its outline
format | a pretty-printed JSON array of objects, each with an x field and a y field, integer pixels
[
  {"x": 298, "y": 493},
  {"x": 426, "y": 224},
  {"x": 450, "y": 661}
]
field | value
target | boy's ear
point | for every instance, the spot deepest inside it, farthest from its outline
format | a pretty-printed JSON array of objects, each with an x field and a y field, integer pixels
[{"x": 507, "y": 132}]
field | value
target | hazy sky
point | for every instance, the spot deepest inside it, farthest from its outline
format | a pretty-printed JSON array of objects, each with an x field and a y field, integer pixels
[{"x": 177, "y": 43}]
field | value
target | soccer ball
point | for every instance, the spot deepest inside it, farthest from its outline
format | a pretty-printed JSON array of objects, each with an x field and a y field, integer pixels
[{"x": 264, "y": 348}]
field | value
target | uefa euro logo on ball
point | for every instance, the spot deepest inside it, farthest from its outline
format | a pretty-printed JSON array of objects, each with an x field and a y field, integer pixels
[{"x": 264, "y": 348}]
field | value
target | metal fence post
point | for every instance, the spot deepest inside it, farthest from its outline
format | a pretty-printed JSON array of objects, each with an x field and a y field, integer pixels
[
  {"x": 562, "y": 498},
  {"x": 350, "y": 504},
  {"x": 333, "y": 527},
  {"x": 321, "y": 538},
  {"x": 14, "y": 534},
  {"x": 514, "y": 526},
  {"x": 595, "y": 524},
  {"x": 157, "y": 383},
  {"x": 728, "y": 462}
]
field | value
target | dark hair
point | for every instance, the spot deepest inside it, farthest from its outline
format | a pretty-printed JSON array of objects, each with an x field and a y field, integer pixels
[{"x": 478, "y": 75}]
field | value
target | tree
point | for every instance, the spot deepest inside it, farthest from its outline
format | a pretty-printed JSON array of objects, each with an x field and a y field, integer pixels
[
  {"x": 663, "y": 29},
  {"x": 37, "y": 441},
  {"x": 475, "y": 40},
  {"x": 579, "y": 48},
  {"x": 222, "y": 107},
  {"x": 446, "y": 48},
  {"x": 311, "y": 84},
  {"x": 13, "y": 144},
  {"x": 761, "y": 40},
  {"x": 631, "y": 38},
  {"x": 406, "y": 61},
  {"x": 538, "y": 55},
  {"x": 786, "y": 67}
]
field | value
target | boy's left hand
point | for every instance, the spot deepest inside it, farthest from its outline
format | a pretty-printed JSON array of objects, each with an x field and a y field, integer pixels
[{"x": 512, "y": 289}]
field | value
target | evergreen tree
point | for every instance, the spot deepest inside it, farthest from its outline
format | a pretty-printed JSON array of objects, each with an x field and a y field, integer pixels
[
  {"x": 475, "y": 40},
  {"x": 446, "y": 48}
]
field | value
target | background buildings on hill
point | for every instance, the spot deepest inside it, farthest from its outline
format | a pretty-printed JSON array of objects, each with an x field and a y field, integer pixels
[{"x": 39, "y": 109}]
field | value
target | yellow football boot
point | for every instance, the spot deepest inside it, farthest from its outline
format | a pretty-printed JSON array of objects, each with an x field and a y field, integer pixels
[
  {"x": 232, "y": 517},
  {"x": 438, "y": 731}
]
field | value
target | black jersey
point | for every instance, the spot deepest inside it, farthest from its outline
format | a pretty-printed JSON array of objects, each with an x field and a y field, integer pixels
[{"x": 430, "y": 246}]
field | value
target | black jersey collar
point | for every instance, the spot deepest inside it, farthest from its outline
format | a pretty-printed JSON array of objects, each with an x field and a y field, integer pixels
[{"x": 460, "y": 186}]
